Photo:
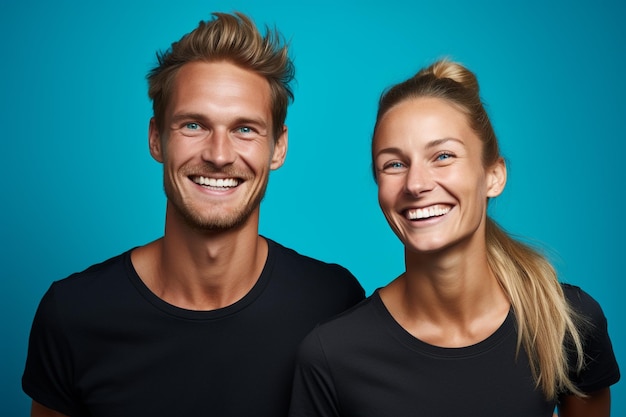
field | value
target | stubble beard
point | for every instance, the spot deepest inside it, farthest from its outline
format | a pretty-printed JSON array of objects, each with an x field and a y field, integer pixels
[{"x": 204, "y": 221}]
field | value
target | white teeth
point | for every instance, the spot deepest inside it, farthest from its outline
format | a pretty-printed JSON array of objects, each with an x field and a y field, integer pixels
[
  {"x": 216, "y": 182},
  {"x": 433, "y": 211}
]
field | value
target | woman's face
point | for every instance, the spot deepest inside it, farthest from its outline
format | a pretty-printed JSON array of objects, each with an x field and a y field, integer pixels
[{"x": 432, "y": 185}]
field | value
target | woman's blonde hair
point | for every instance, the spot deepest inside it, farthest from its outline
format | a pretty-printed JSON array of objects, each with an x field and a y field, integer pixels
[{"x": 547, "y": 327}]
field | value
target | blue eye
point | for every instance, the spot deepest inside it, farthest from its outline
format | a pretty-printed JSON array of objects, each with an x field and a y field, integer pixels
[
  {"x": 393, "y": 165},
  {"x": 244, "y": 129},
  {"x": 443, "y": 156},
  {"x": 192, "y": 126}
]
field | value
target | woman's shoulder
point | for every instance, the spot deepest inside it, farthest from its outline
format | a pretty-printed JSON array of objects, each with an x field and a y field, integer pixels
[
  {"x": 601, "y": 368},
  {"x": 352, "y": 326},
  {"x": 582, "y": 302}
]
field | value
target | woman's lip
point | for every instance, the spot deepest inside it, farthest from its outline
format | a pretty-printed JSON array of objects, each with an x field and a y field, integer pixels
[{"x": 422, "y": 213}]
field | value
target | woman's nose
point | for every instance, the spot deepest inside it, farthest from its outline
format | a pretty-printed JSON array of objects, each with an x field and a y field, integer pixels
[{"x": 419, "y": 179}]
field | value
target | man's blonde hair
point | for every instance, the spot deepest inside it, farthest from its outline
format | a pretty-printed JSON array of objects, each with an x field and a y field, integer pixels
[{"x": 233, "y": 38}]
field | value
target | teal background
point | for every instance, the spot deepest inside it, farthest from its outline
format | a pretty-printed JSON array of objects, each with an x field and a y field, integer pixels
[{"x": 79, "y": 186}]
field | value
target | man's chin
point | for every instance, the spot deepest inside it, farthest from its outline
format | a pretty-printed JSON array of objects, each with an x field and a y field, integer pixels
[{"x": 217, "y": 223}]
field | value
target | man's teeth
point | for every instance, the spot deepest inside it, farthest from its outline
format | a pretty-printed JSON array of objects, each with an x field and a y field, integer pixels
[
  {"x": 217, "y": 182},
  {"x": 427, "y": 212}
]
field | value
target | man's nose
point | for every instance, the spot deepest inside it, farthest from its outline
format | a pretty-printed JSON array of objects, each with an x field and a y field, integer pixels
[{"x": 218, "y": 149}]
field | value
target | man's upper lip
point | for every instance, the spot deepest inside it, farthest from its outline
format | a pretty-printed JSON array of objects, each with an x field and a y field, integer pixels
[
  {"x": 216, "y": 175},
  {"x": 216, "y": 181}
]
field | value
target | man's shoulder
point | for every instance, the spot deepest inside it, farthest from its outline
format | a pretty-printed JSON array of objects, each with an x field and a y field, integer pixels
[
  {"x": 310, "y": 272},
  {"x": 94, "y": 277},
  {"x": 296, "y": 260},
  {"x": 84, "y": 296}
]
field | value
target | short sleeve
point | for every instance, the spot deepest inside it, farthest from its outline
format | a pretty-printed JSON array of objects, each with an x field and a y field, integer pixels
[
  {"x": 601, "y": 369},
  {"x": 313, "y": 392},
  {"x": 47, "y": 377}
]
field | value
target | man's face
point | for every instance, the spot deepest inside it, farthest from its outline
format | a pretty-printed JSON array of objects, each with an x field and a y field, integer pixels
[{"x": 216, "y": 145}]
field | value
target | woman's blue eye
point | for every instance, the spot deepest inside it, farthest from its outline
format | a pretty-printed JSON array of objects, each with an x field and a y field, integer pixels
[
  {"x": 443, "y": 156},
  {"x": 394, "y": 165}
]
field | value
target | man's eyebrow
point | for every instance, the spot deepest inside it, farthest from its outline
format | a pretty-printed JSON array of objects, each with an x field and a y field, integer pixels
[
  {"x": 238, "y": 121},
  {"x": 249, "y": 120},
  {"x": 187, "y": 116}
]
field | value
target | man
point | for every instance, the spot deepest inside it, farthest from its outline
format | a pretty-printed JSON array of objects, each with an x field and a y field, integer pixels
[{"x": 205, "y": 320}]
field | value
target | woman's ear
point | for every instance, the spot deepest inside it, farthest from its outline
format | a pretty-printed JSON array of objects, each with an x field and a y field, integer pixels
[
  {"x": 496, "y": 178},
  {"x": 154, "y": 141}
]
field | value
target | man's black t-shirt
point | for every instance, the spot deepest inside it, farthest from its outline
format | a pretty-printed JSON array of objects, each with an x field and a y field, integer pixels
[{"x": 102, "y": 344}]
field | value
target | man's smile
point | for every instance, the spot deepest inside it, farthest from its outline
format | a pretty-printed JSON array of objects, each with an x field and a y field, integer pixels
[{"x": 220, "y": 183}]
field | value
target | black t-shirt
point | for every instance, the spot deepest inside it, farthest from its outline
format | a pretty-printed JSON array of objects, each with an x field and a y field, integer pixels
[
  {"x": 364, "y": 364},
  {"x": 102, "y": 344}
]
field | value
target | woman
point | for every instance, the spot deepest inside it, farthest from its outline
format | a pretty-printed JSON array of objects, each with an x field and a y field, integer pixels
[{"x": 478, "y": 324}]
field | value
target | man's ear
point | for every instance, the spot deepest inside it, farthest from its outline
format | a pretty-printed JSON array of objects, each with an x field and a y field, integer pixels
[
  {"x": 280, "y": 149},
  {"x": 154, "y": 141},
  {"x": 496, "y": 178}
]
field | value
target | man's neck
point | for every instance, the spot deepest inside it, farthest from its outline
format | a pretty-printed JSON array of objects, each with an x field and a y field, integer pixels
[{"x": 202, "y": 271}]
